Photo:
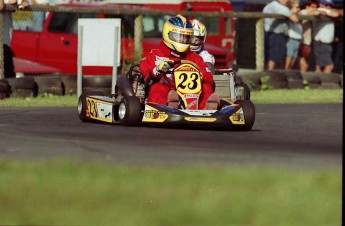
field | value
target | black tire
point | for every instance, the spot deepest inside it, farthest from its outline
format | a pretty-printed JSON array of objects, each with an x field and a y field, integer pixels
[
  {"x": 129, "y": 111},
  {"x": 295, "y": 83},
  {"x": 47, "y": 81},
  {"x": 22, "y": 83},
  {"x": 314, "y": 85},
  {"x": 312, "y": 80},
  {"x": 311, "y": 77},
  {"x": 4, "y": 86},
  {"x": 82, "y": 107},
  {"x": 100, "y": 91},
  {"x": 97, "y": 81},
  {"x": 330, "y": 78},
  {"x": 24, "y": 93},
  {"x": 4, "y": 95},
  {"x": 250, "y": 77},
  {"x": 275, "y": 79},
  {"x": 57, "y": 91},
  {"x": 329, "y": 85},
  {"x": 289, "y": 74},
  {"x": 249, "y": 115},
  {"x": 69, "y": 84}
]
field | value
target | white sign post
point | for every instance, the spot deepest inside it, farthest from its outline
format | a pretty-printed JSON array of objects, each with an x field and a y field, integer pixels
[{"x": 98, "y": 45}]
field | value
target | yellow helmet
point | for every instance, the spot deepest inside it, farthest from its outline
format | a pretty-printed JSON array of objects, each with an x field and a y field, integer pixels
[
  {"x": 200, "y": 33},
  {"x": 178, "y": 33}
]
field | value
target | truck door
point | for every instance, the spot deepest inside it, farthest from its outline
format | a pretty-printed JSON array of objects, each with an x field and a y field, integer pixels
[{"x": 60, "y": 43}]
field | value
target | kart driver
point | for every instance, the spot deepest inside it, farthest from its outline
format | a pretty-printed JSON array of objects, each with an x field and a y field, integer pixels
[
  {"x": 198, "y": 42},
  {"x": 177, "y": 35}
]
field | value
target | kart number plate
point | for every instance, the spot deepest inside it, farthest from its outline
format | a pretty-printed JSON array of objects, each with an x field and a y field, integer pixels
[
  {"x": 99, "y": 110},
  {"x": 187, "y": 79}
]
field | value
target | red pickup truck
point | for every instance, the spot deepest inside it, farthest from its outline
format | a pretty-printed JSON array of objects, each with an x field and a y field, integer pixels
[{"x": 56, "y": 44}]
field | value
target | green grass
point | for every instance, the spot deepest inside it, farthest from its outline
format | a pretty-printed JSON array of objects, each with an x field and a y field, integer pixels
[
  {"x": 299, "y": 96},
  {"x": 258, "y": 97},
  {"x": 44, "y": 101},
  {"x": 67, "y": 193}
]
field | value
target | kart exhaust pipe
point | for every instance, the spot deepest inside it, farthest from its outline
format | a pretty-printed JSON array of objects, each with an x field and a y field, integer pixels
[{"x": 125, "y": 86}]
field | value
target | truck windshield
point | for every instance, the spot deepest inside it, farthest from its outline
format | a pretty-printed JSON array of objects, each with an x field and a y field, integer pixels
[
  {"x": 68, "y": 23},
  {"x": 211, "y": 24}
]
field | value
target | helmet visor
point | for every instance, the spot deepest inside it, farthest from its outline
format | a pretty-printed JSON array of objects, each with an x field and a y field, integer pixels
[
  {"x": 180, "y": 38},
  {"x": 198, "y": 40}
]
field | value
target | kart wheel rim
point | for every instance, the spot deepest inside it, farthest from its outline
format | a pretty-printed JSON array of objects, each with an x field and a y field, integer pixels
[
  {"x": 80, "y": 106},
  {"x": 122, "y": 111}
]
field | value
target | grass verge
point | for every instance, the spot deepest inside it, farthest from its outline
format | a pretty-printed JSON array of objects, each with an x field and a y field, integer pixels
[
  {"x": 298, "y": 96},
  {"x": 76, "y": 193}
]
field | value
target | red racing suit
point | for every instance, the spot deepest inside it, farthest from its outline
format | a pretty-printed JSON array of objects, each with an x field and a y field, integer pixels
[{"x": 159, "y": 90}]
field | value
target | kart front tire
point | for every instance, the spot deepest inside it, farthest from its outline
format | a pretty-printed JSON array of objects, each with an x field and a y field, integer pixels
[
  {"x": 249, "y": 115},
  {"x": 82, "y": 107},
  {"x": 129, "y": 111}
]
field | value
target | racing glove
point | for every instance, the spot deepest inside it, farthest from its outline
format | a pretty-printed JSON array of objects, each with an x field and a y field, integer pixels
[{"x": 163, "y": 66}]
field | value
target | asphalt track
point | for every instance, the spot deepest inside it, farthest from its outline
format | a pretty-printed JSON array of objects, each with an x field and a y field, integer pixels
[{"x": 302, "y": 136}]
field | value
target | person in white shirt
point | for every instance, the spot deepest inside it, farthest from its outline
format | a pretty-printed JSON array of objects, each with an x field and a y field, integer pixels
[
  {"x": 198, "y": 43},
  {"x": 295, "y": 36},
  {"x": 324, "y": 36},
  {"x": 276, "y": 32}
]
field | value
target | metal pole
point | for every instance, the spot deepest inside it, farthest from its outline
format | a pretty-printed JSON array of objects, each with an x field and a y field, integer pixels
[
  {"x": 80, "y": 56},
  {"x": 2, "y": 44},
  {"x": 116, "y": 48},
  {"x": 260, "y": 45},
  {"x": 138, "y": 37}
]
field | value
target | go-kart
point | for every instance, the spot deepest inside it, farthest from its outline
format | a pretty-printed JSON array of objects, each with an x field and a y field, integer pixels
[{"x": 129, "y": 105}]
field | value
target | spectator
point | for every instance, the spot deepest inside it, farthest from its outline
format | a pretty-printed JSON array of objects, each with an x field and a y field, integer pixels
[
  {"x": 324, "y": 37},
  {"x": 275, "y": 32},
  {"x": 295, "y": 37},
  {"x": 338, "y": 45},
  {"x": 7, "y": 34},
  {"x": 305, "y": 48}
]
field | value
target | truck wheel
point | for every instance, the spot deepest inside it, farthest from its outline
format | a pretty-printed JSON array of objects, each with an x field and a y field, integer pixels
[
  {"x": 129, "y": 111},
  {"x": 249, "y": 115}
]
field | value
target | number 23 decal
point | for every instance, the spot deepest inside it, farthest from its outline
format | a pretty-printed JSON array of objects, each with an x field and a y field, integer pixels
[
  {"x": 92, "y": 107},
  {"x": 188, "y": 82}
]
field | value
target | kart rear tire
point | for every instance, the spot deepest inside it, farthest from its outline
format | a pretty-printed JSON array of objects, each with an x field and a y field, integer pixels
[
  {"x": 249, "y": 115},
  {"x": 129, "y": 111}
]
